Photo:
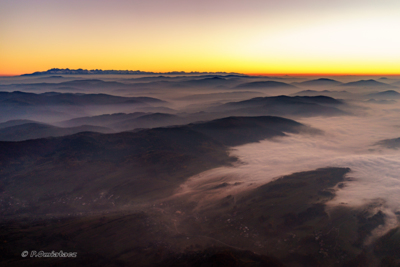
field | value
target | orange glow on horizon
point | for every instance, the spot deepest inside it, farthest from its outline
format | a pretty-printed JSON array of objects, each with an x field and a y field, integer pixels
[
  {"x": 294, "y": 74},
  {"x": 255, "y": 36}
]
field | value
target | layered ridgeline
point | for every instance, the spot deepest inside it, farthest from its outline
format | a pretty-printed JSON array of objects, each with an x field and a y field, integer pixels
[
  {"x": 92, "y": 171},
  {"x": 128, "y": 121},
  {"x": 286, "y": 105},
  {"x": 34, "y": 130},
  {"x": 53, "y": 106},
  {"x": 68, "y": 71},
  {"x": 368, "y": 84},
  {"x": 17, "y": 98}
]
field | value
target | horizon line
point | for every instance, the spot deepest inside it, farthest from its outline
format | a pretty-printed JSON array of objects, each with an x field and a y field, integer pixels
[{"x": 250, "y": 74}]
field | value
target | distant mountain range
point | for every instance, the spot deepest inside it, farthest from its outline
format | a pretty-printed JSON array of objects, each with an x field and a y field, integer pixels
[{"x": 98, "y": 71}]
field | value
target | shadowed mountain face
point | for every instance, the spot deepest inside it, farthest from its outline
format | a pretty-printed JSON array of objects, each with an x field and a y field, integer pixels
[
  {"x": 125, "y": 168},
  {"x": 235, "y": 131},
  {"x": 285, "y": 105},
  {"x": 39, "y": 130},
  {"x": 95, "y": 172}
]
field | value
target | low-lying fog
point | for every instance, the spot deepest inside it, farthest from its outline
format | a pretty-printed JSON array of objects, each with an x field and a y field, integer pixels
[{"x": 348, "y": 141}]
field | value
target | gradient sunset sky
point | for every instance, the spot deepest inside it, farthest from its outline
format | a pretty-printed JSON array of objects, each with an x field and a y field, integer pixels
[{"x": 253, "y": 36}]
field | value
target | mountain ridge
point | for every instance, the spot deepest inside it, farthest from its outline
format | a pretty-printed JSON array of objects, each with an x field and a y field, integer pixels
[{"x": 99, "y": 71}]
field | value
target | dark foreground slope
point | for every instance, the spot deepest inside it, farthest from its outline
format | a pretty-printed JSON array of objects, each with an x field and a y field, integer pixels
[
  {"x": 92, "y": 172},
  {"x": 283, "y": 223},
  {"x": 89, "y": 172}
]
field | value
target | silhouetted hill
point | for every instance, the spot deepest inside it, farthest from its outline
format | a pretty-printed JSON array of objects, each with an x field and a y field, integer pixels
[
  {"x": 385, "y": 94},
  {"x": 320, "y": 82},
  {"x": 329, "y": 93},
  {"x": 285, "y": 105},
  {"x": 368, "y": 83},
  {"x": 265, "y": 84},
  {"x": 39, "y": 130}
]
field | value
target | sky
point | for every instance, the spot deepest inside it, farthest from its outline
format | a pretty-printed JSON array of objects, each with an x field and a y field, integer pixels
[{"x": 252, "y": 36}]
